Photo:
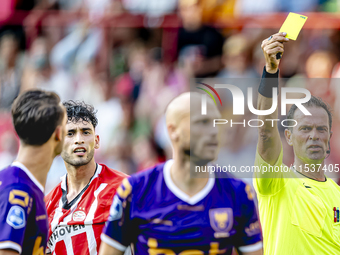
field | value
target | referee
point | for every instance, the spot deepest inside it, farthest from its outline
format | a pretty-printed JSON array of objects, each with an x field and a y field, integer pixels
[{"x": 299, "y": 209}]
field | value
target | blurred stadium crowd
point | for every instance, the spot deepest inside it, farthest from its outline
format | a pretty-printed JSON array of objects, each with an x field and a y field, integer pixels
[{"x": 131, "y": 70}]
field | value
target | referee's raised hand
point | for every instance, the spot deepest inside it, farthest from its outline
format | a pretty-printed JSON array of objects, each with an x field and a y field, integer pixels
[{"x": 270, "y": 47}]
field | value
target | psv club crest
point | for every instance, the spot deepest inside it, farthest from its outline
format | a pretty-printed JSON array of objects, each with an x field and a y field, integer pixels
[{"x": 221, "y": 220}]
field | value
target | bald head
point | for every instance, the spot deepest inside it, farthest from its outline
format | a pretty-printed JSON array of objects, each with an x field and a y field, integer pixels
[
  {"x": 191, "y": 133},
  {"x": 179, "y": 107}
]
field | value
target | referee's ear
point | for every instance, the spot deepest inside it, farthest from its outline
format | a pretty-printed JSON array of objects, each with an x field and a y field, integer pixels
[{"x": 288, "y": 136}]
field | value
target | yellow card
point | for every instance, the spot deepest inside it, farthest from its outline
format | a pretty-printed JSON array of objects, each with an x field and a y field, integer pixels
[{"x": 293, "y": 25}]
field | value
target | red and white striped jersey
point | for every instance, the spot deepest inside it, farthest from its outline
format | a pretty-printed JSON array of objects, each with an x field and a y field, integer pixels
[{"x": 75, "y": 227}]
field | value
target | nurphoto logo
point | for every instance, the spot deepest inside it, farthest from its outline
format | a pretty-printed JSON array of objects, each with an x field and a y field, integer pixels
[{"x": 239, "y": 103}]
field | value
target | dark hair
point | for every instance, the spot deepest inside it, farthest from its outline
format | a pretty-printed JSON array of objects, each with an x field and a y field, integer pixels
[
  {"x": 77, "y": 110},
  {"x": 36, "y": 114},
  {"x": 313, "y": 102}
]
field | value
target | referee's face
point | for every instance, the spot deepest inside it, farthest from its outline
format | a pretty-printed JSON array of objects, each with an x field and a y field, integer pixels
[{"x": 311, "y": 135}]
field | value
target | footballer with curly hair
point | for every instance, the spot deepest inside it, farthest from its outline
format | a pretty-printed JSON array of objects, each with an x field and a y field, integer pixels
[{"x": 79, "y": 206}]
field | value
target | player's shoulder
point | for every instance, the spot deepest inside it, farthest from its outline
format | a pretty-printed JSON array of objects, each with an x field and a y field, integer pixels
[
  {"x": 16, "y": 196},
  {"x": 239, "y": 191},
  {"x": 333, "y": 183},
  {"x": 229, "y": 180},
  {"x": 107, "y": 172},
  {"x": 111, "y": 177},
  {"x": 10, "y": 174},
  {"x": 148, "y": 174},
  {"x": 147, "y": 178},
  {"x": 14, "y": 178},
  {"x": 232, "y": 185}
]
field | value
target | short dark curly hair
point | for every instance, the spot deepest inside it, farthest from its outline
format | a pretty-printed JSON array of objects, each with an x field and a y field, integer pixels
[{"x": 79, "y": 110}]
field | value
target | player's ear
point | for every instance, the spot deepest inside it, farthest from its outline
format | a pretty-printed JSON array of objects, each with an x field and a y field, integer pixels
[
  {"x": 96, "y": 140},
  {"x": 58, "y": 134},
  {"x": 288, "y": 136},
  {"x": 172, "y": 132}
]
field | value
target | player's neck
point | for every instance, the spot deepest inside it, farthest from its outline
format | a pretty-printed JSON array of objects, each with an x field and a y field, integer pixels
[
  {"x": 37, "y": 159},
  {"x": 182, "y": 178},
  {"x": 79, "y": 177},
  {"x": 310, "y": 170}
]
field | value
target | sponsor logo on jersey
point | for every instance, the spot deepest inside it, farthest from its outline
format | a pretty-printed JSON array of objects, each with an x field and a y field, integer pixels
[
  {"x": 253, "y": 229},
  {"x": 40, "y": 217},
  {"x": 78, "y": 216},
  {"x": 62, "y": 232},
  {"x": 16, "y": 217},
  {"x": 221, "y": 220},
  {"x": 162, "y": 222}
]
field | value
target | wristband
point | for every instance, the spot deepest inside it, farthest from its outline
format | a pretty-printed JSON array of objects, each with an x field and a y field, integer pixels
[{"x": 268, "y": 82}]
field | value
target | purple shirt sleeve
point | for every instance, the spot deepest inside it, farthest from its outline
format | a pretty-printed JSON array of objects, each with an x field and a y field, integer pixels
[
  {"x": 118, "y": 231},
  {"x": 15, "y": 206},
  {"x": 250, "y": 231}
]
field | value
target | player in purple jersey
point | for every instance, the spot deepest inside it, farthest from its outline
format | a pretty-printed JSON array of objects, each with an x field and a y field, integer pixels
[
  {"x": 166, "y": 210},
  {"x": 39, "y": 119}
]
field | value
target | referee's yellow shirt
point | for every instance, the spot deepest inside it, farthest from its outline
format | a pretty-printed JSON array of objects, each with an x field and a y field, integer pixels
[{"x": 297, "y": 213}]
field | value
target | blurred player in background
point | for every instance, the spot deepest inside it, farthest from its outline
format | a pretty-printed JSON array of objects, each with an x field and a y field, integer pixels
[
  {"x": 165, "y": 210},
  {"x": 296, "y": 207},
  {"x": 79, "y": 206},
  {"x": 39, "y": 120}
]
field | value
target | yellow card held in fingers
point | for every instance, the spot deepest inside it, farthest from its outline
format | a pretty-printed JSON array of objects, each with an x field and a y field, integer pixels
[{"x": 293, "y": 25}]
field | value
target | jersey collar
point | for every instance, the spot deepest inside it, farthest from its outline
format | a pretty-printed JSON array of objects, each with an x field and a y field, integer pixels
[
  {"x": 97, "y": 172},
  {"x": 67, "y": 205},
  {"x": 30, "y": 175},
  {"x": 179, "y": 193},
  {"x": 310, "y": 181}
]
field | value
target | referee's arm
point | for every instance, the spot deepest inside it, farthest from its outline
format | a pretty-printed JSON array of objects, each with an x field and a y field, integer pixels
[{"x": 269, "y": 143}]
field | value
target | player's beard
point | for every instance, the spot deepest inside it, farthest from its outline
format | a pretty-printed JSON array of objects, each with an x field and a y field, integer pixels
[{"x": 78, "y": 161}]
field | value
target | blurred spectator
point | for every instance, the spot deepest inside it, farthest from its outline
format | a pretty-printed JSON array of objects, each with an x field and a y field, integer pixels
[
  {"x": 258, "y": 60},
  {"x": 238, "y": 146},
  {"x": 320, "y": 64},
  {"x": 128, "y": 84},
  {"x": 9, "y": 148},
  {"x": 201, "y": 43},
  {"x": 37, "y": 68},
  {"x": 316, "y": 79},
  {"x": 160, "y": 85},
  {"x": 237, "y": 69},
  {"x": 91, "y": 85},
  {"x": 41, "y": 73},
  {"x": 216, "y": 10},
  {"x": 150, "y": 7},
  {"x": 329, "y": 5},
  {"x": 76, "y": 50},
  {"x": 336, "y": 88},
  {"x": 298, "y": 6},
  {"x": 11, "y": 66},
  {"x": 145, "y": 154},
  {"x": 236, "y": 58},
  {"x": 9, "y": 142},
  {"x": 248, "y": 7}
]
